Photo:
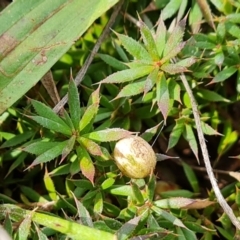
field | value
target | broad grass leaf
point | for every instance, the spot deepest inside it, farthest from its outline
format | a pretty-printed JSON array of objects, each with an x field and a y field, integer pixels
[
  {"x": 92, "y": 147},
  {"x": 150, "y": 81},
  {"x": 18, "y": 139},
  {"x": 176, "y": 133},
  {"x": 132, "y": 89},
  {"x": 128, "y": 75},
  {"x": 86, "y": 164},
  {"x": 190, "y": 137},
  {"x": 211, "y": 96},
  {"x": 88, "y": 116},
  {"x": 224, "y": 74},
  {"x": 46, "y": 112},
  {"x": 40, "y": 147},
  {"x": 163, "y": 100},
  {"x": 113, "y": 62},
  {"x": 160, "y": 37},
  {"x": 49, "y": 154},
  {"x": 69, "y": 147},
  {"x": 108, "y": 135},
  {"x": 52, "y": 125},
  {"x": 175, "y": 38},
  {"x": 149, "y": 41},
  {"x": 49, "y": 185},
  {"x": 134, "y": 48},
  {"x": 74, "y": 104},
  {"x": 173, "y": 68},
  {"x": 191, "y": 176},
  {"x": 170, "y": 9}
]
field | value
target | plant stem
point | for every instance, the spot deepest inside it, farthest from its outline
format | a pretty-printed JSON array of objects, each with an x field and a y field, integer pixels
[
  {"x": 91, "y": 56},
  {"x": 227, "y": 209}
]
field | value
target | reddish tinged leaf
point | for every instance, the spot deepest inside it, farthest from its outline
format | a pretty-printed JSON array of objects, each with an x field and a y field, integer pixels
[
  {"x": 86, "y": 164},
  {"x": 128, "y": 75},
  {"x": 187, "y": 62},
  {"x": 173, "y": 68},
  {"x": 172, "y": 53},
  {"x": 163, "y": 100},
  {"x": 175, "y": 37},
  {"x": 183, "y": 203},
  {"x": 92, "y": 147},
  {"x": 206, "y": 11},
  {"x": 150, "y": 81},
  {"x": 108, "y": 135}
]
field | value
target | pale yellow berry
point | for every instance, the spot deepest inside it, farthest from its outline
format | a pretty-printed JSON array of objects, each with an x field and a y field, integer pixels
[{"x": 134, "y": 157}]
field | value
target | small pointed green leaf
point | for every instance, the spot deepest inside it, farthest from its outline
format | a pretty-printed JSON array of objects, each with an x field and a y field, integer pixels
[
  {"x": 151, "y": 132},
  {"x": 49, "y": 154},
  {"x": 40, "y": 147},
  {"x": 132, "y": 89},
  {"x": 170, "y": 9},
  {"x": 128, "y": 75},
  {"x": 88, "y": 116},
  {"x": 108, "y": 135},
  {"x": 18, "y": 139},
  {"x": 86, "y": 164},
  {"x": 190, "y": 137},
  {"x": 174, "y": 90},
  {"x": 92, "y": 147},
  {"x": 160, "y": 38},
  {"x": 113, "y": 62},
  {"x": 208, "y": 130},
  {"x": 224, "y": 74},
  {"x": 211, "y": 96},
  {"x": 74, "y": 104},
  {"x": 163, "y": 100},
  {"x": 66, "y": 118},
  {"x": 49, "y": 185},
  {"x": 25, "y": 227},
  {"x": 150, "y": 81},
  {"x": 137, "y": 195},
  {"x": 191, "y": 176},
  {"x": 95, "y": 97},
  {"x": 121, "y": 52},
  {"x": 149, "y": 41},
  {"x": 46, "y": 112},
  {"x": 134, "y": 48},
  {"x": 69, "y": 147},
  {"x": 176, "y": 133},
  {"x": 85, "y": 217},
  {"x": 175, "y": 38},
  {"x": 98, "y": 203},
  {"x": 107, "y": 183}
]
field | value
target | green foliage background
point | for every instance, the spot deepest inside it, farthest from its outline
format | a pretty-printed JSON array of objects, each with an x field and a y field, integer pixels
[{"x": 58, "y": 179}]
